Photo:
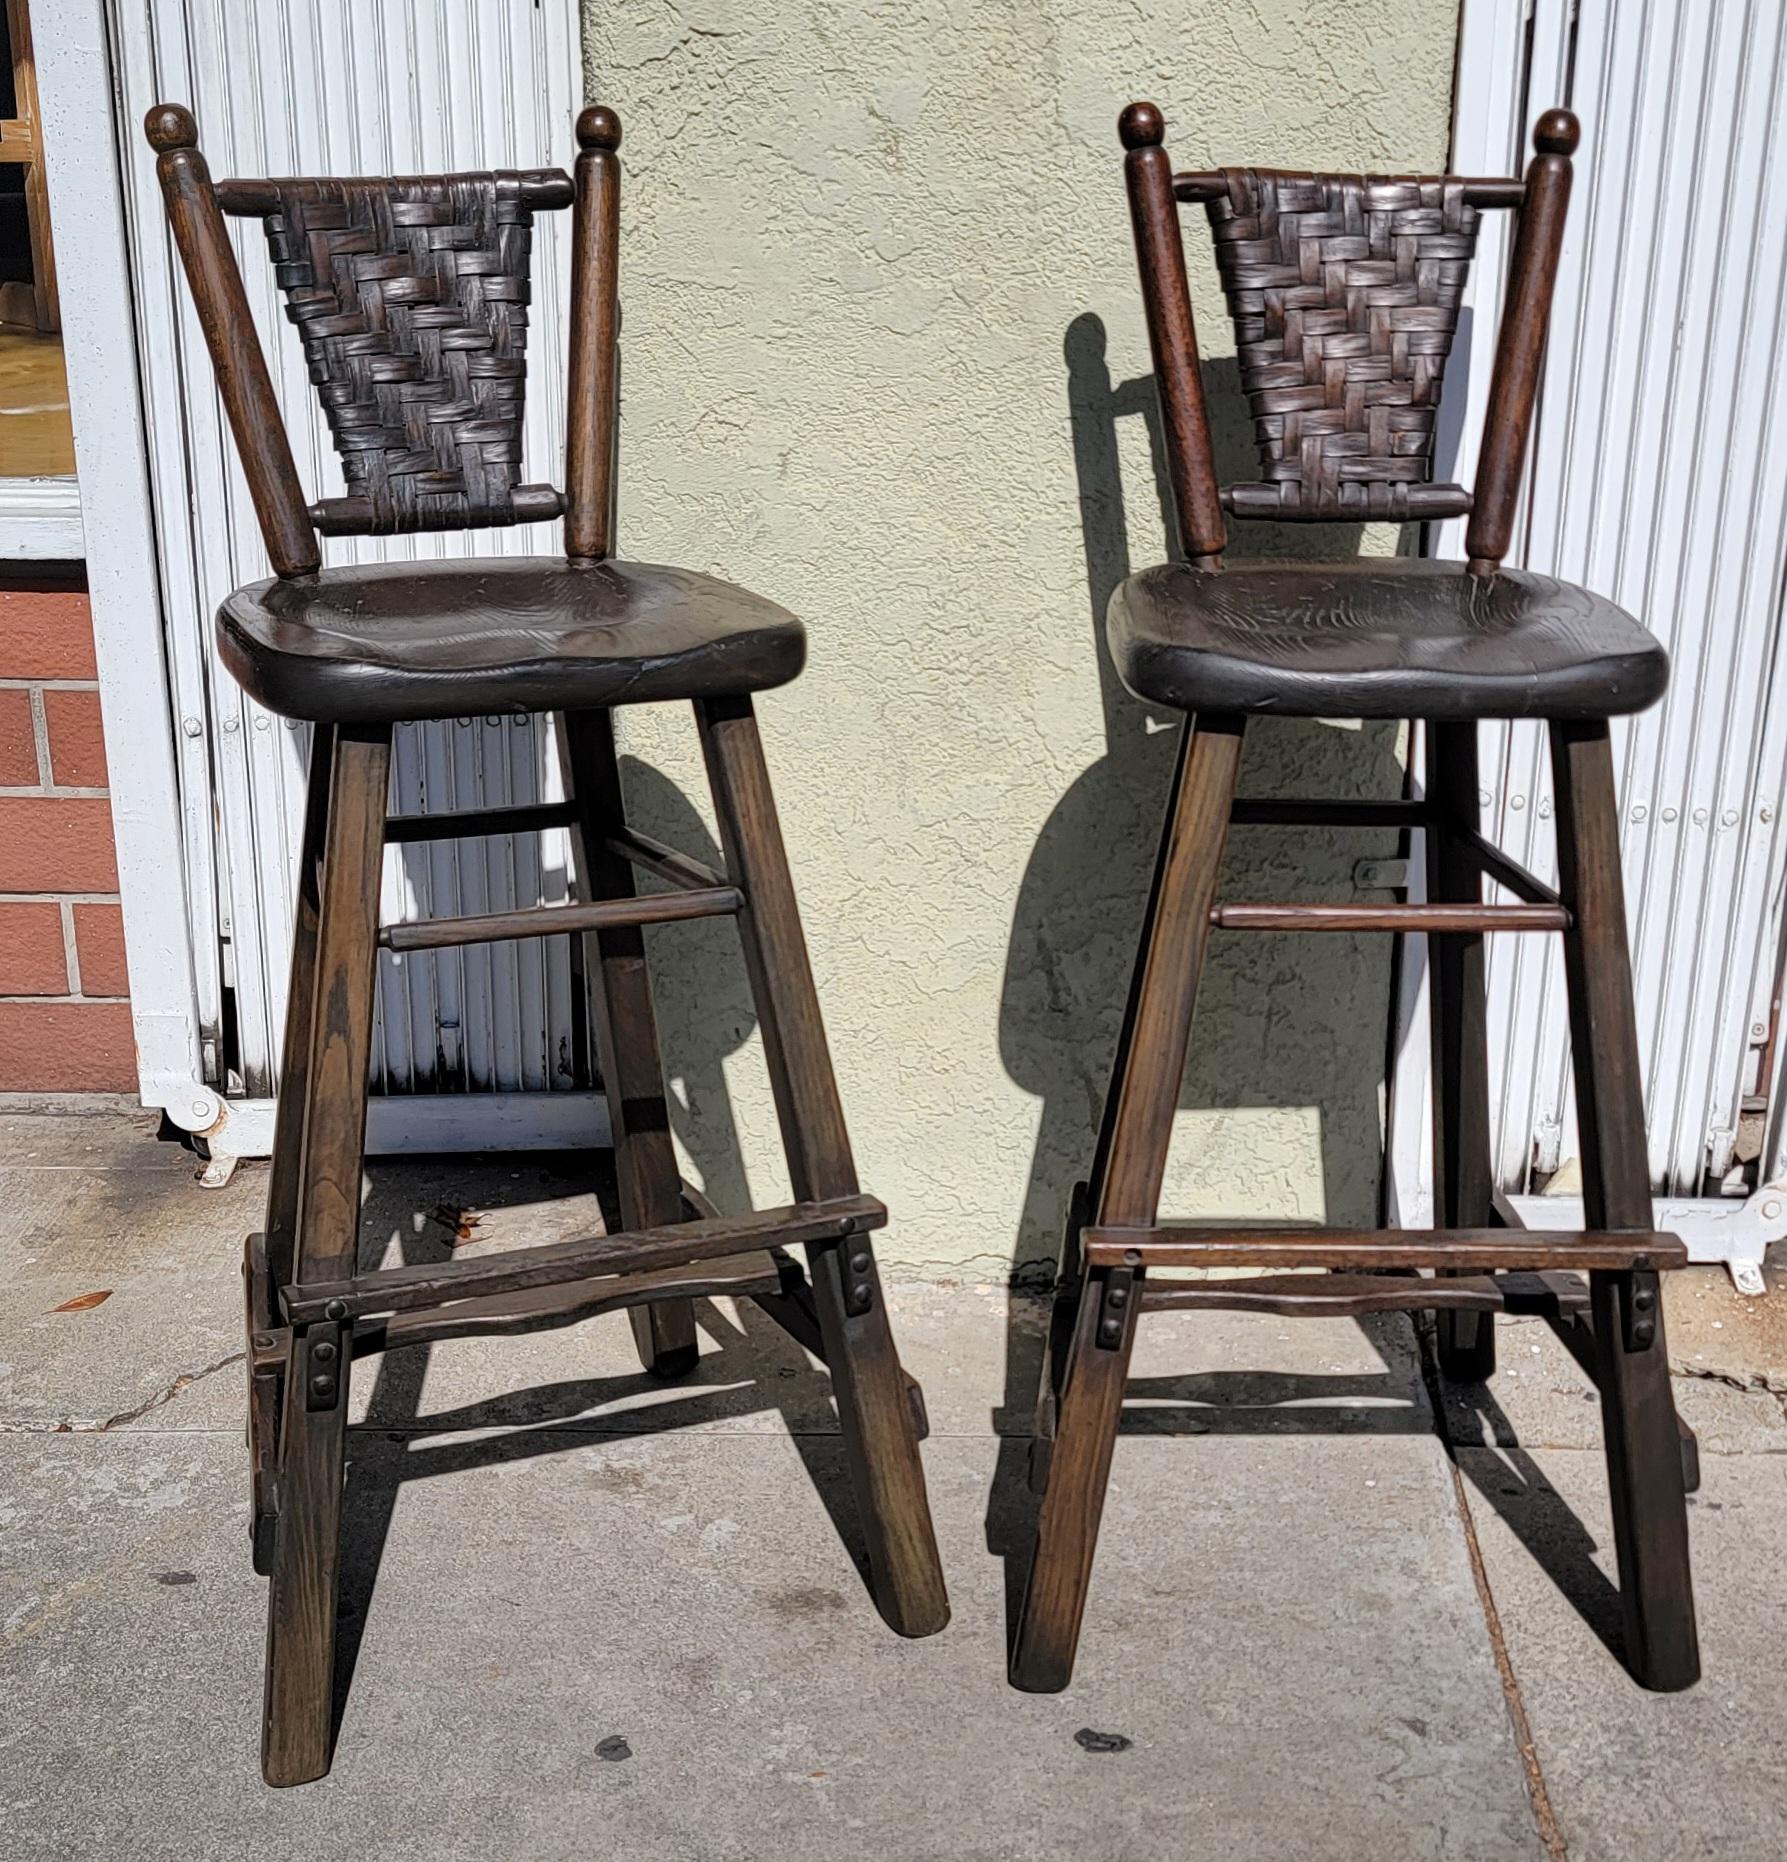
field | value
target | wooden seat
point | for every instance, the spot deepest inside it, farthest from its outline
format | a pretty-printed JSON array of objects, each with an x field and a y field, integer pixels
[
  {"x": 393, "y": 641},
  {"x": 409, "y": 296},
  {"x": 1402, "y": 638},
  {"x": 1345, "y": 291}
]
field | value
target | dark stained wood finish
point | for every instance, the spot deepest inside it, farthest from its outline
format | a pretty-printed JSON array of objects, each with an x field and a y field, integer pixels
[
  {"x": 473, "y": 823},
  {"x": 1463, "y": 1175},
  {"x": 614, "y": 914},
  {"x": 1644, "y": 1467},
  {"x": 1499, "y": 866},
  {"x": 1452, "y": 920},
  {"x": 1316, "y": 1295},
  {"x": 1172, "y": 335},
  {"x": 1212, "y": 184},
  {"x": 558, "y": 1263},
  {"x": 539, "y": 1309},
  {"x": 680, "y": 870},
  {"x": 296, "y": 1727},
  {"x": 1126, "y": 1191},
  {"x": 650, "y": 1183},
  {"x": 222, "y": 305},
  {"x": 1514, "y": 386},
  {"x": 595, "y": 327},
  {"x": 880, "y": 1442},
  {"x": 1180, "y": 1244}
]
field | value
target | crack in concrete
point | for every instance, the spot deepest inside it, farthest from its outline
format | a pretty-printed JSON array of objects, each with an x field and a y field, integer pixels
[{"x": 68, "y": 1426}]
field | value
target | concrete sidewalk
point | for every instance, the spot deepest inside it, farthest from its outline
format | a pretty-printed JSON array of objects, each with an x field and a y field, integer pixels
[{"x": 586, "y": 1614}]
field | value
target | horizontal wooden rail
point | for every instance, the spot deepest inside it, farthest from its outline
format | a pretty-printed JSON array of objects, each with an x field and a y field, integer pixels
[
  {"x": 1478, "y": 192},
  {"x": 1289, "y": 812},
  {"x": 474, "y": 823},
  {"x": 538, "y": 1309},
  {"x": 540, "y": 187},
  {"x": 1179, "y": 1244},
  {"x": 555, "y": 1263},
  {"x": 1441, "y": 918},
  {"x": 648, "y": 908},
  {"x": 1313, "y": 1295},
  {"x": 1504, "y": 870},
  {"x": 681, "y": 870}
]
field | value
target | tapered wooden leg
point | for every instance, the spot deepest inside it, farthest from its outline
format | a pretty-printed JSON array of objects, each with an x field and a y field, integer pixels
[
  {"x": 627, "y": 1038},
  {"x": 1126, "y": 1192},
  {"x": 1463, "y": 1184},
  {"x": 302, "y": 1594},
  {"x": 874, "y": 1416},
  {"x": 1644, "y": 1461}
]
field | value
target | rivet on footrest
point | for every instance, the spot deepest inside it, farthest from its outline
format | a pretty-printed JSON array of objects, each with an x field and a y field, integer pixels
[{"x": 1119, "y": 1287}]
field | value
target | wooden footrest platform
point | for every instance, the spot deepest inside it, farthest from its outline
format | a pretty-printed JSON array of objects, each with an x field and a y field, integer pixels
[
  {"x": 1487, "y": 1249},
  {"x": 561, "y": 1263}
]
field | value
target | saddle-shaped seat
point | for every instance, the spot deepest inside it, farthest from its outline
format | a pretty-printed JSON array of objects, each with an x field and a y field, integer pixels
[
  {"x": 1397, "y": 638},
  {"x": 508, "y": 634}
]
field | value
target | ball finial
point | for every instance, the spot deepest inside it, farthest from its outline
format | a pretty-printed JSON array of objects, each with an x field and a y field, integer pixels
[
  {"x": 170, "y": 126},
  {"x": 1557, "y": 132},
  {"x": 598, "y": 128},
  {"x": 1142, "y": 126}
]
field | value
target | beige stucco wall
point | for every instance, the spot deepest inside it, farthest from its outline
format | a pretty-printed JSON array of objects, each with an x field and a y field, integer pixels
[{"x": 884, "y": 361}]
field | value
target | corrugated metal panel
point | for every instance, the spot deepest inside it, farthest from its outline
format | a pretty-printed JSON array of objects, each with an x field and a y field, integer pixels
[
  {"x": 1660, "y": 479},
  {"x": 338, "y": 87}
]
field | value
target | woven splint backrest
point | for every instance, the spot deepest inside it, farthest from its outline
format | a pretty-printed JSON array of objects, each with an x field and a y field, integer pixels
[
  {"x": 411, "y": 299},
  {"x": 1345, "y": 292}
]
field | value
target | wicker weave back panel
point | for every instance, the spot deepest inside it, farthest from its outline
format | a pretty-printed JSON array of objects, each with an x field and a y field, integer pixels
[
  {"x": 1345, "y": 291},
  {"x": 411, "y": 298}
]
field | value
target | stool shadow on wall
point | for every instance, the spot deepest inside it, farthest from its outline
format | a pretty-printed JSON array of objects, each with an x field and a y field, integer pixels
[{"x": 1288, "y": 1049}]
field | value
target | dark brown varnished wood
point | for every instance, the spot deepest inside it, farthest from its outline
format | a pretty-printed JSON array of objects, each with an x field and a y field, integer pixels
[
  {"x": 1324, "y": 1295},
  {"x": 1463, "y": 1174},
  {"x": 1644, "y": 1469},
  {"x": 296, "y": 1727},
  {"x": 222, "y": 305},
  {"x": 653, "y": 908},
  {"x": 649, "y": 1180},
  {"x": 1126, "y": 1191},
  {"x": 557, "y": 1263},
  {"x": 473, "y": 823},
  {"x": 1180, "y": 1244},
  {"x": 1172, "y": 335},
  {"x": 880, "y": 1442},
  {"x": 1454, "y": 920},
  {"x": 595, "y": 328},
  {"x": 1514, "y": 386}
]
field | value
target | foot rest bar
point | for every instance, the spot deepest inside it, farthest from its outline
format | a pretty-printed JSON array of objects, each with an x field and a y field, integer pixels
[
  {"x": 1188, "y": 1245},
  {"x": 1314, "y": 1295},
  {"x": 474, "y": 823},
  {"x": 1453, "y": 918},
  {"x": 649, "y": 908},
  {"x": 676, "y": 1244}
]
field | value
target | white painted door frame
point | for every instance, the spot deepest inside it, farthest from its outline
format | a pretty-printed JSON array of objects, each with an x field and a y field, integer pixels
[{"x": 155, "y": 678}]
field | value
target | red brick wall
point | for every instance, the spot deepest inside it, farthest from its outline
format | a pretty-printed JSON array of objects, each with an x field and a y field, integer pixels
[{"x": 64, "y": 997}]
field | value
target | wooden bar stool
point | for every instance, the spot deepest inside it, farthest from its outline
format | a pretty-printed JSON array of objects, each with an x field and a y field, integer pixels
[
  {"x": 1345, "y": 290},
  {"x": 410, "y": 298}
]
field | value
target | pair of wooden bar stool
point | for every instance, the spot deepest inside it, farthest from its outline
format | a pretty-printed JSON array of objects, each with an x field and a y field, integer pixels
[{"x": 410, "y": 299}]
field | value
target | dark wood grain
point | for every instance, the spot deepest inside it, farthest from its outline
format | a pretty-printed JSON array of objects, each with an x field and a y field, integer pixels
[
  {"x": 880, "y": 1442},
  {"x": 648, "y": 1178},
  {"x": 1126, "y": 1190},
  {"x": 1317, "y": 1295},
  {"x": 1173, "y": 1244},
  {"x": 222, "y": 305},
  {"x": 595, "y": 324},
  {"x": 649, "y": 908},
  {"x": 1644, "y": 1463},
  {"x": 1514, "y": 385},
  {"x": 1172, "y": 335},
  {"x": 474, "y": 823},
  {"x": 1463, "y": 1173},
  {"x": 1454, "y": 920},
  {"x": 558, "y": 1263}
]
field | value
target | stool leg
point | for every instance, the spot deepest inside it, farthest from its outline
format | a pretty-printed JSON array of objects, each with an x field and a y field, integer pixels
[
  {"x": 1126, "y": 1192},
  {"x": 301, "y": 1597},
  {"x": 650, "y": 1182},
  {"x": 1463, "y": 1184},
  {"x": 1644, "y": 1461},
  {"x": 874, "y": 1416}
]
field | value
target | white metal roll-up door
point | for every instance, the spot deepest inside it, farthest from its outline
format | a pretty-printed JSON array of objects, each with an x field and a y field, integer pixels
[
  {"x": 341, "y": 87},
  {"x": 1659, "y": 478}
]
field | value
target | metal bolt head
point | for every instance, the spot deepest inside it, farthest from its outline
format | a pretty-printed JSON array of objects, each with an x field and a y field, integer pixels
[
  {"x": 323, "y": 1351},
  {"x": 860, "y": 1262},
  {"x": 336, "y": 1309},
  {"x": 1644, "y": 1298},
  {"x": 322, "y": 1386},
  {"x": 263, "y": 1341},
  {"x": 191, "y": 726},
  {"x": 861, "y": 1293},
  {"x": 1118, "y": 1296},
  {"x": 1110, "y": 1331}
]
